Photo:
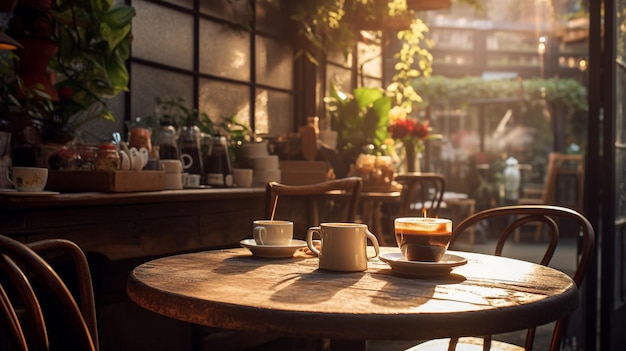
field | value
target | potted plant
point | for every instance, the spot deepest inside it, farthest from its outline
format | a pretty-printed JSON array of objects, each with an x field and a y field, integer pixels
[
  {"x": 88, "y": 42},
  {"x": 360, "y": 119}
]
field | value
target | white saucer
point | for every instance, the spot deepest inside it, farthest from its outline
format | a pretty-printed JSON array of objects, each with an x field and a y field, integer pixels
[
  {"x": 13, "y": 192},
  {"x": 273, "y": 251},
  {"x": 399, "y": 264},
  {"x": 197, "y": 187}
]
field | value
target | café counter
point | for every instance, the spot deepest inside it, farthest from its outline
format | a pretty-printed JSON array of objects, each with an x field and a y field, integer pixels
[{"x": 139, "y": 224}]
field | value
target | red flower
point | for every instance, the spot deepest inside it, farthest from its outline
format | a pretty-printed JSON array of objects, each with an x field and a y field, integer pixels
[
  {"x": 421, "y": 130},
  {"x": 409, "y": 128},
  {"x": 65, "y": 92}
]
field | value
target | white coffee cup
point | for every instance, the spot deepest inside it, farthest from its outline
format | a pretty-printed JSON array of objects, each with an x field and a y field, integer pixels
[
  {"x": 28, "y": 179},
  {"x": 343, "y": 246},
  {"x": 193, "y": 180},
  {"x": 170, "y": 166},
  {"x": 173, "y": 181},
  {"x": 272, "y": 232},
  {"x": 243, "y": 177},
  {"x": 254, "y": 149},
  {"x": 265, "y": 162}
]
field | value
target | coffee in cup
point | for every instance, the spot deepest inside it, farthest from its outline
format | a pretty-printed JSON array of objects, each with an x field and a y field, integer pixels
[
  {"x": 29, "y": 179},
  {"x": 272, "y": 232},
  {"x": 423, "y": 239}
]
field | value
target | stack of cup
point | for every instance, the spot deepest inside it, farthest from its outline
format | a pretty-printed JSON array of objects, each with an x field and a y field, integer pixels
[
  {"x": 173, "y": 174},
  {"x": 265, "y": 169},
  {"x": 265, "y": 166}
]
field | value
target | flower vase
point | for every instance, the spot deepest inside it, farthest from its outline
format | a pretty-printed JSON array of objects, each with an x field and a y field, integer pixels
[{"x": 412, "y": 157}]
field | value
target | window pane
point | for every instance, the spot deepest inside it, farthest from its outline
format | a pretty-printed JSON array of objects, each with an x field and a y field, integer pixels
[
  {"x": 224, "y": 52},
  {"x": 101, "y": 130},
  {"x": 148, "y": 83},
  {"x": 339, "y": 76},
  {"x": 273, "y": 113},
  {"x": 452, "y": 39},
  {"x": 183, "y": 3},
  {"x": 152, "y": 41},
  {"x": 222, "y": 100},
  {"x": 270, "y": 19},
  {"x": 370, "y": 59},
  {"x": 274, "y": 63},
  {"x": 233, "y": 10}
]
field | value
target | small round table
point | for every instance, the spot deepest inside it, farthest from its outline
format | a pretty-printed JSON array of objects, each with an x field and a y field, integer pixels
[{"x": 231, "y": 289}]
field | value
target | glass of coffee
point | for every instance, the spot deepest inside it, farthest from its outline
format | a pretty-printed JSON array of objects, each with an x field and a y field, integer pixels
[{"x": 423, "y": 239}]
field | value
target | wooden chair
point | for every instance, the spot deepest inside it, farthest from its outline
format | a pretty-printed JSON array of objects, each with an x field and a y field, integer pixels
[
  {"x": 37, "y": 309},
  {"x": 558, "y": 165},
  {"x": 420, "y": 191},
  {"x": 548, "y": 215},
  {"x": 341, "y": 206},
  {"x": 295, "y": 201}
]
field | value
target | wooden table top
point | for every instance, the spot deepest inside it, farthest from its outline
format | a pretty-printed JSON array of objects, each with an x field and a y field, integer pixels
[{"x": 232, "y": 289}]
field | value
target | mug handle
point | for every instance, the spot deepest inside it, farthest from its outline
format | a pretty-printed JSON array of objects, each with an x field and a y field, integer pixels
[
  {"x": 9, "y": 174},
  {"x": 259, "y": 233},
  {"x": 187, "y": 160},
  {"x": 309, "y": 239},
  {"x": 374, "y": 241}
]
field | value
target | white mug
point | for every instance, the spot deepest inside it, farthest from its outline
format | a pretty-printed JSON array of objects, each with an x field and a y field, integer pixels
[
  {"x": 343, "y": 247},
  {"x": 272, "y": 232}
]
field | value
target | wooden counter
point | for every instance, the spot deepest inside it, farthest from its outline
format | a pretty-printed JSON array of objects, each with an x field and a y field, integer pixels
[
  {"x": 119, "y": 231},
  {"x": 130, "y": 225}
]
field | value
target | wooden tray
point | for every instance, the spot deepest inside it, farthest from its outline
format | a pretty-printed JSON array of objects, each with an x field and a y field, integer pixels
[{"x": 105, "y": 181}]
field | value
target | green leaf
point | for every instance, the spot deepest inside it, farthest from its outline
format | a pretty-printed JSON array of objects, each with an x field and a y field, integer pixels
[{"x": 119, "y": 16}]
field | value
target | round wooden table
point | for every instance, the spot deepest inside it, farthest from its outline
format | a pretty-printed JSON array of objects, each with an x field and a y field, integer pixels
[{"x": 231, "y": 289}]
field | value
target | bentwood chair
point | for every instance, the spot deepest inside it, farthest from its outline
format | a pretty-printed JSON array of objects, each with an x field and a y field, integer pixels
[
  {"x": 334, "y": 200},
  {"x": 305, "y": 205},
  {"x": 558, "y": 165},
  {"x": 38, "y": 310},
  {"x": 556, "y": 218},
  {"x": 420, "y": 192}
]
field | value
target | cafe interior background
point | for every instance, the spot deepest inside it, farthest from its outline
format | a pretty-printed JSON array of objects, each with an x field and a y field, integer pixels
[{"x": 496, "y": 79}]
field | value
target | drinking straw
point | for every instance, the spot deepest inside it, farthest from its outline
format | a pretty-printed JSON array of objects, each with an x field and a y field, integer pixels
[{"x": 274, "y": 208}]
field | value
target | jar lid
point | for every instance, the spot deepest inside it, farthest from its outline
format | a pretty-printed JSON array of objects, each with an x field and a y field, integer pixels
[{"x": 107, "y": 146}]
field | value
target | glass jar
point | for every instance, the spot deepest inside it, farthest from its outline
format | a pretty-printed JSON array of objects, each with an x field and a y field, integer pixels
[{"x": 108, "y": 159}]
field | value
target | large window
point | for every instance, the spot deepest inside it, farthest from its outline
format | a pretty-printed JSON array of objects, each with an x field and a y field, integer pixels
[{"x": 206, "y": 53}]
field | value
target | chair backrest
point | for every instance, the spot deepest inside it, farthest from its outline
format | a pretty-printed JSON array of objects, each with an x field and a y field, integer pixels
[
  {"x": 560, "y": 164},
  {"x": 340, "y": 195},
  {"x": 420, "y": 191},
  {"x": 555, "y": 218},
  {"x": 38, "y": 310}
]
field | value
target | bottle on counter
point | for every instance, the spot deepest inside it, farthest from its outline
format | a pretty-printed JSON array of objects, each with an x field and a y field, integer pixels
[
  {"x": 168, "y": 140},
  {"x": 219, "y": 172}
]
